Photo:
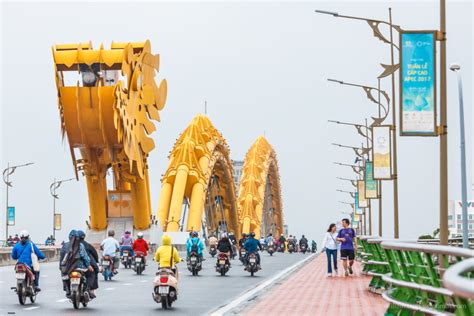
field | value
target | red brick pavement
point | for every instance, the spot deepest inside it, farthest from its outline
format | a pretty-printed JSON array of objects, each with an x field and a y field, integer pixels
[{"x": 310, "y": 292}]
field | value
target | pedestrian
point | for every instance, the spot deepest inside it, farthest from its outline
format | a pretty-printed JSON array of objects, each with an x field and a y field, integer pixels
[
  {"x": 330, "y": 247},
  {"x": 347, "y": 237}
]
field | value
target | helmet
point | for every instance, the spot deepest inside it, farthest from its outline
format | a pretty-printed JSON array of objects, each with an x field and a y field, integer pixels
[
  {"x": 244, "y": 235},
  {"x": 81, "y": 234},
  {"x": 140, "y": 235},
  {"x": 72, "y": 233},
  {"x": 195, "y": 234},
  {"x": 224, "y": 235},
  {"x": 127, "y": 232},
  {"x": 24, "y": 234},
  {"x": 302, "y": 236},
  {"x": 252, "y": 234}
]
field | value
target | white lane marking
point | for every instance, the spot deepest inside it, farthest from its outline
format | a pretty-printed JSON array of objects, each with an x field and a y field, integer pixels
[
  {"x": 127, "y": 284},
  {"x": 62, "y": 300},
  {"x": 110, "y": 289},
  {"x": 30, "y": 308},
  {"x": 2, "y": 282},
  {"x": 143, "y": 281},
  {"x": 246, "y": 295}
]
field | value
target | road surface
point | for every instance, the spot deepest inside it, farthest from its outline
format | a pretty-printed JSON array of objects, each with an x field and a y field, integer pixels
[{"x": 129, "y": 294}]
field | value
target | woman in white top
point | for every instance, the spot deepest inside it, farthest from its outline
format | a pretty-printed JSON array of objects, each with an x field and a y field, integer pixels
[{"x": 330, "y": 245}]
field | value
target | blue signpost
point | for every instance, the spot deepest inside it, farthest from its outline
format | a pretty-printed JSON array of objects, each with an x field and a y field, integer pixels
[
  {"x": 418, "y": 83},
  {"x": 11, "y": 215}
]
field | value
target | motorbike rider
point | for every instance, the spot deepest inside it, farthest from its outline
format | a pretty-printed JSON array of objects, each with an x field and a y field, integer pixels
[
  {"x": 109, "y": 247},
  {"x": 303, "y": 241},
  {"x": 314, "y": 246},
  {"x": 195, "y": 244},
  {"x": 232, "y": 238},
  {"x": 22, "y": 253},
  {"x": 252, "y": 245},
  {"x": 292, "y": 240},
  {"x": 92, "y": 277},
  {"x": 141, "y": 245},
  {"x": 126, "y": 243},
  {"x": 212, "y": 241},
  {"x": 225, "y": 245},
  {"x": 165, "y": 251},
  {"x": 242, "y": 240},
  {"x": 282, "y": 240},
  {"x": 73, "y": 255},
  {"x": 269, "y": 240}
]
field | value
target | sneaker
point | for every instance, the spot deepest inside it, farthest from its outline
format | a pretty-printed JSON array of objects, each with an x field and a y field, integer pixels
[
  {"x": 350, "y": 270},
  {"x": 346, "y": 273},
  {"x": 37, "y": 289},
  {"x": 115, "y": 272},
  {"x": 329, "y": 274},
  {"x": 68, "y": 295},
  {"x": 92, "y": 295}
]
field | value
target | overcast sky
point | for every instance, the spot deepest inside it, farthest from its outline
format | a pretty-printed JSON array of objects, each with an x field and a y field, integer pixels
[{"x": 262, "y": 67}]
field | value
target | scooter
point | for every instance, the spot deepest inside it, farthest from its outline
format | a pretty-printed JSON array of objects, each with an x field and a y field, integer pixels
[
  {"x": 291, "y": 248},
  {"x": 270, "y": 249},
  {"x": 194, "y": 263},
  {"x": 223, "y": 263},
  {"x": 252, "y": 266},
  {"x": 127, "y": 258},
  {"x": 139, "y": 262},
  {"x": 107, "y": 267},
  {"x": 165, "y": 287},
  {"x": 24, "y": 283},
  {"x": 303, "y": 248},
  {"x": 243, "y": 253},
  {"x": 78, "y": 288},
  {"x": 212, "y": 250}
]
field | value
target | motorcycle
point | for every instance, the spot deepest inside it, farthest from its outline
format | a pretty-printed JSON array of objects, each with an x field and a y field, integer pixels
[
  {"x": 139, "y": 262},
  {"x": 107, "y": 267},
  {"x": 234, "y": 251},
  {"x": 223, "y": 264},
  {"x": 252, "y": 266},
  {"x": 212, "y": 250},
  {"x": 165, "y": 289},
  {"x": 270, "y": 249},
  {"x": 313, "y": 248},
  {"x": 291, "y": 248},
  {"x": 127, "y": 258},
  {"x": 78, "y": 288},
  {"x": 243, "y": 253},
  {"x": 303, "y": 248},
  {"x": 194, "y": 263},
  {"x": 24, "y": 283}
]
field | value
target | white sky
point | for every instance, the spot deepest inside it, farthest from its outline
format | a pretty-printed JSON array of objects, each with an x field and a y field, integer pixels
[{"x": 262, "y": 67}]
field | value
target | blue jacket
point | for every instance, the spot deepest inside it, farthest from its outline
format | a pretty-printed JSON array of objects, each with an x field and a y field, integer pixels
[
  {"x": 84, "y": 260},
  {"x": 252, "y": 245},
  {"x": 22, "y": 253},
  {"x": 195, "y": 241}
]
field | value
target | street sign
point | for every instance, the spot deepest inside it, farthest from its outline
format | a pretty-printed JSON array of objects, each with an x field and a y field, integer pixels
[
  {"x": 11, "y": 215},
  {"x": 381, "y": 152},
  {"x": 418, "y": 83},
  {"x": 370, "y": 183},
  {"x": 57, "y": 221}
]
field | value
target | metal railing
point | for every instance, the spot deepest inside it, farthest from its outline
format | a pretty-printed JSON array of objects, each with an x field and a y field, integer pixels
[{"x": 459, "y": 278}]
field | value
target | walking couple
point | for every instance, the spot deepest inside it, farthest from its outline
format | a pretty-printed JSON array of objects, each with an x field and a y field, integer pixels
[{"x": 346, "y": 238}]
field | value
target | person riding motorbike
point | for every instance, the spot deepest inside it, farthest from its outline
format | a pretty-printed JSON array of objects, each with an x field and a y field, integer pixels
[
  {"x": 242, "y": 240},
  {"x": 165, "y": 251},
  {"x": 212, "y": 241},
  {"x": 92, "y": 277},
  {"x": 22, "y": 253},
  {"x": 141, "y": 245},
  {"x": 232, "y": 238},
  {"x": 252, "y": 245},
  {"x": 269, "y": 240},
  {"x": 126, "y": 243},
  {"x": 73, "y": 255},
  {"x": 109, "y": 247},
  {"x": 225, "y": 245},
  {"x": 195, "y": 244},
  {"x": 282, "y": 240},
  {"x": 303, "y": 241},
  {"x": 314, "y": 246}
]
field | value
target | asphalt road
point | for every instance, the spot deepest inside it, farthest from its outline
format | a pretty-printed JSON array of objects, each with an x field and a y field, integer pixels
[{"x": 130, "y": 294}]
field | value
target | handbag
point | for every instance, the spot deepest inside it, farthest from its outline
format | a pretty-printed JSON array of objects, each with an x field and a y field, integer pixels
[{"x": 34, "y": 259}]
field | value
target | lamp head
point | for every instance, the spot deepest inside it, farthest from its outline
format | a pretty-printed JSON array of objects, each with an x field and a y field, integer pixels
[{"x": 455, "y": 67}]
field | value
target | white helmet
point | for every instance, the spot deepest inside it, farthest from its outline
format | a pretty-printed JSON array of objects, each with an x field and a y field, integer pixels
[
  {"x": 24, "y": 234},
  {"x": 140, "y": 235}
]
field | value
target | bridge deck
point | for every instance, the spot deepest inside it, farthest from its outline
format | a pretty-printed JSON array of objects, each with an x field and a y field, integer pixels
[{"x": 310, "y": 292}]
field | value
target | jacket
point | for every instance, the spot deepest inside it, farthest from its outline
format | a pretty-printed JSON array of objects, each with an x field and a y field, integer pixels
[
  {"x": 163, "y": 254},
  {"x": 194, "y": 241},
  {"x": 252, "y": 245},
  {"x": 92, "y": 252},
  {"x": 22, "y": 253},
  {"x": 225, "y": 245},
  {"x": 141, "y": 244},
  {"x": 73, "y": 256}
]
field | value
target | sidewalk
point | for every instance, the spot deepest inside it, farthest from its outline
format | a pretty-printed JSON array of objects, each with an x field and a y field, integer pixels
[{"x": 310, "y": 292}]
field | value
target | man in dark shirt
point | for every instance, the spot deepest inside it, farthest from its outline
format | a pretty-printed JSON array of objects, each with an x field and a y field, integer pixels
[{"x": 347, "y": 237}]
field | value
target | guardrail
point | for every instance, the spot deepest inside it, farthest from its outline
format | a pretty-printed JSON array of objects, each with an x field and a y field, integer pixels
[{"x": 411, "y": 275}]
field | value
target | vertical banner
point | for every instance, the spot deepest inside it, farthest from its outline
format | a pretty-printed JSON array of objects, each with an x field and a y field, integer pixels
[
  {"x": 418, "y": 83},
  {"x": 57, "y": 221},
  {"x": 370, "y": 183},
  {"x": 356, "y": 218},
  {"x": 11, "y": 216},
  {"x": 357, "y": 209},
  {"x": 381, "y": 152},
  {"x": 361, "y": 190}
]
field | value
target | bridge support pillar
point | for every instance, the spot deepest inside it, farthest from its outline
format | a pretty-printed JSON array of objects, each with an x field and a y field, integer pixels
[
  {"x": 196, "y": 208},
  {"x": 141, "y": 211},
  {"x": 164, "y": 203},
  {"x": 177, "y": 198},
  {"x": 97, "y": 190}
]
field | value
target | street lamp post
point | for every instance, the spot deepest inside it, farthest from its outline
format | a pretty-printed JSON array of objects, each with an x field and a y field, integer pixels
[
  {"x": 6, "y": 179},
  {"x": 465, "y": 233},
  {"x": 52, "y": 189}
]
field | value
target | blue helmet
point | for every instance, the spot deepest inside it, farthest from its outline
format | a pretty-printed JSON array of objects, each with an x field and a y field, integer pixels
[
  {"x": 81, "y": 234},
  {"x": 72, "y": 233}
]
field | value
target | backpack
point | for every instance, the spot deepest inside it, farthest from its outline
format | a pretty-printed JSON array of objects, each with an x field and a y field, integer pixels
[{"x": 194, "y": 247}]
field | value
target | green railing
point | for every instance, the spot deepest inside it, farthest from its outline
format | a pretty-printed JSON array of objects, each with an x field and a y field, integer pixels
[{"x": 414, "y": 280}]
